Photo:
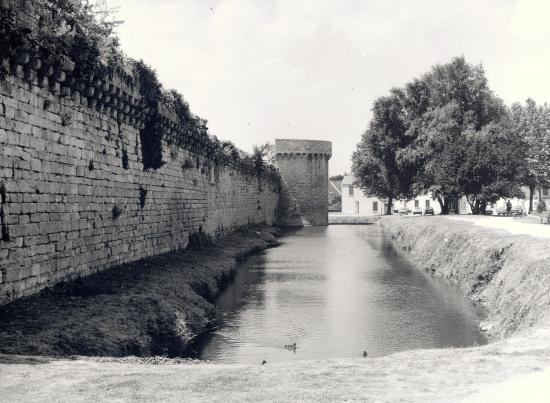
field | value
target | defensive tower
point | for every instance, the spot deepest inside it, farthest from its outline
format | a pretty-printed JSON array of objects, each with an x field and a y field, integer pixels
[{"x": 304, "y": 190}]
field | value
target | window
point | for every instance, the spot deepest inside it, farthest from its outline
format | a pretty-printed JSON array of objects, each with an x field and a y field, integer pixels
[
  {"x": 545, "y": 191},
  {"x": 427, "y": 204},
  {"x": 350, "y": 190},
  {"x": 374, "y": 206},
  {"x": 417, "y": 203}
]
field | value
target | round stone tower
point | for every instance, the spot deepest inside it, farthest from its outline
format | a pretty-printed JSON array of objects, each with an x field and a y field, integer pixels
[{"x": 304, "y": 190}]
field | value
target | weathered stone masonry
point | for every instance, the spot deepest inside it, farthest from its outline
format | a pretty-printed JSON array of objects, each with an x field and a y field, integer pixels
[
  {"x": 304, "y": 170},
  {"x": 76, "y": 199},
  {"x": 78, "y": 192}
]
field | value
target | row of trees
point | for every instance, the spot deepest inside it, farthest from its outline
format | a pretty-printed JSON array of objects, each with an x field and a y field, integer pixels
[{"x": 447, "y": 134}]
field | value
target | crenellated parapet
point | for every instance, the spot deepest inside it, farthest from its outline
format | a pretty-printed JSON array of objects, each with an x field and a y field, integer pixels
[
  {"x": 292, "y": 147},
  {"x": 124, "y": 90},
  {"x": 99, "y": 165}
]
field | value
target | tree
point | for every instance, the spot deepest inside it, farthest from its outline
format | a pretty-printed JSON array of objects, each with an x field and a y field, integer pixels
[
  {"x": 447, "y": 109},
  {"x": 493, "y": 161},
  {"x": 445, "y": 133},
  {"x": 440, "y": 154},
  {"x": 532, "y": 123},
  {"x": 376, "y": 164}
]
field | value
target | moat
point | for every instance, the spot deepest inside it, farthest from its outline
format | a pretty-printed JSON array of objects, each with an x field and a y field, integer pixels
[{"x": 336, "y": 291}]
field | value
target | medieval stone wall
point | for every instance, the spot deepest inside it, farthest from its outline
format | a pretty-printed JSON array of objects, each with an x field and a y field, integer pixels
[{"x": 75, "y": 198}]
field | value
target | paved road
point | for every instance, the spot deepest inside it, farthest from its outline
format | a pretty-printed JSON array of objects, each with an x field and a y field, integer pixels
[{"x": 509, "y": 224}]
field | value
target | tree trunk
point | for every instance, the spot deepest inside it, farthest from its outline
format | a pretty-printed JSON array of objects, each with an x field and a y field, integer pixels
[
  {"x": 472, "y": 204},
  {"x": 443, "y": 204},
  {"x": 482, "y": 207},
  {"x": 389, "y": 206},
  {"x": 476, "y": 207},
  {"x": 531, "y": 194}
]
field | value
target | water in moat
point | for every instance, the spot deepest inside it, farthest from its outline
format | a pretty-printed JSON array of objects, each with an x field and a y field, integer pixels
[{"x": 336, "y": 291}]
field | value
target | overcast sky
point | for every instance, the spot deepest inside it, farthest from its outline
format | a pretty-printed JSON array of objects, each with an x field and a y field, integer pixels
[{"x": 264, "y": 69}]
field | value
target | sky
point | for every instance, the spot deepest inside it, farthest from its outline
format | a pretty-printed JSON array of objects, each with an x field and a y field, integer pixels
[{"x": 258, "y": 70}]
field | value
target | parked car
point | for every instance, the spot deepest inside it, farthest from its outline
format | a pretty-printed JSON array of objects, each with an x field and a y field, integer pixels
[
  {"x": 489, "y": 210},
  {"x": 429, "y": 210},
  {"x": 417, "y": 210},
  {"x": 404, "y": 211}
]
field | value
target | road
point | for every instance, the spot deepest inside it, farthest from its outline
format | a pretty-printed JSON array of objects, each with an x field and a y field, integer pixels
[{"x": 510, "y": 224}]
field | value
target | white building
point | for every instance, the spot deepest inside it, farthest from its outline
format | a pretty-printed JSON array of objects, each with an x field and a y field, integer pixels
[
  {"x": 419, "y": 203},
  {"x": 355, "y": 201},
  {"x": 464, "y": 206}
]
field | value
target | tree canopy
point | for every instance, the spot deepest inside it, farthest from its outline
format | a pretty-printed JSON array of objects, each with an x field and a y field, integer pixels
[
  {"x": 447, "y": 134},
  {"x": 377, "y": 165},
  {"x": 532, "y": 123}
]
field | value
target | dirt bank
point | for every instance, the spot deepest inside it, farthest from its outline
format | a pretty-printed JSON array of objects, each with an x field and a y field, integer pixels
[
  {"x": 508, "y": 274},
  {"x": 155, "y": 306}
]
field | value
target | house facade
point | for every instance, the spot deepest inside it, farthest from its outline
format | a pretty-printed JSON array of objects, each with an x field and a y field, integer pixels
[
  {"x": 419, "y": 203},
  {"x": 355, "y": 201}
]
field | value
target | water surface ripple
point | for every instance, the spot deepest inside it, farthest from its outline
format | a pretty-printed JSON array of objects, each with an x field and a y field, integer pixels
[{"x": 336, "y": 291}]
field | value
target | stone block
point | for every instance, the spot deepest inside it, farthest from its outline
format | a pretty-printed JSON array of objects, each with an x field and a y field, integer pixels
[{"x": 36, "y": 165}]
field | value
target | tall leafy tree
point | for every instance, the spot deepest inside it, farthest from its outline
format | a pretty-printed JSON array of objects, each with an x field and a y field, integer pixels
[
  {"x": 440, "y": 154},
  {"x": 493, "y": 162},
  {"x": 532, "y": 123},
  {"x": 445, "y": 133},
  {"x": 377, "y": 164},
  {"x": 447, "y": 107}
]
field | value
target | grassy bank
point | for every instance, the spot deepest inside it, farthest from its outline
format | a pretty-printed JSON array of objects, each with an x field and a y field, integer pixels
[
  {"x": 436, "y": 375},
  {"x": 156, "y": 306},
  {"x": 350, "y": 219},
  {"x": 508, "y": 274}
]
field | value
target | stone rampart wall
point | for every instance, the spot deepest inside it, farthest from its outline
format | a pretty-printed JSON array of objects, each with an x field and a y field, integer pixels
[{"x": 75, "y": 195}]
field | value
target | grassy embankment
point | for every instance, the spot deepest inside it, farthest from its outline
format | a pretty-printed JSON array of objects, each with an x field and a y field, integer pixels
[
  {"x": 508, "y": 274},
  {"x": 352, "y": 219},
  {"x": 155, "y": 306},
  {"x": 436, "y": 375}
]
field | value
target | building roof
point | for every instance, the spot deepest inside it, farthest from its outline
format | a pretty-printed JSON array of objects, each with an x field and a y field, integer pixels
[{"x": 348, "y": 180}]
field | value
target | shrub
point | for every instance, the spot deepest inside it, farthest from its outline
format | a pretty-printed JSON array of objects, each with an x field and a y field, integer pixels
[
  {"x": 151, "y": 134},
  {"x": 199, "y": 239},
  {"x": 84, "y": 31}
]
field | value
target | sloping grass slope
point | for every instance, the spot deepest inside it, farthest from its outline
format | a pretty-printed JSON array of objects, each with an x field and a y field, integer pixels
[
  {"x": 508, "y": 274},
  {"x": 155, "y": 306}
]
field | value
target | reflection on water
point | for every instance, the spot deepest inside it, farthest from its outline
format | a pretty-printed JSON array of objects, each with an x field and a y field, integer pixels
[{"x": 336, "y": 291}]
